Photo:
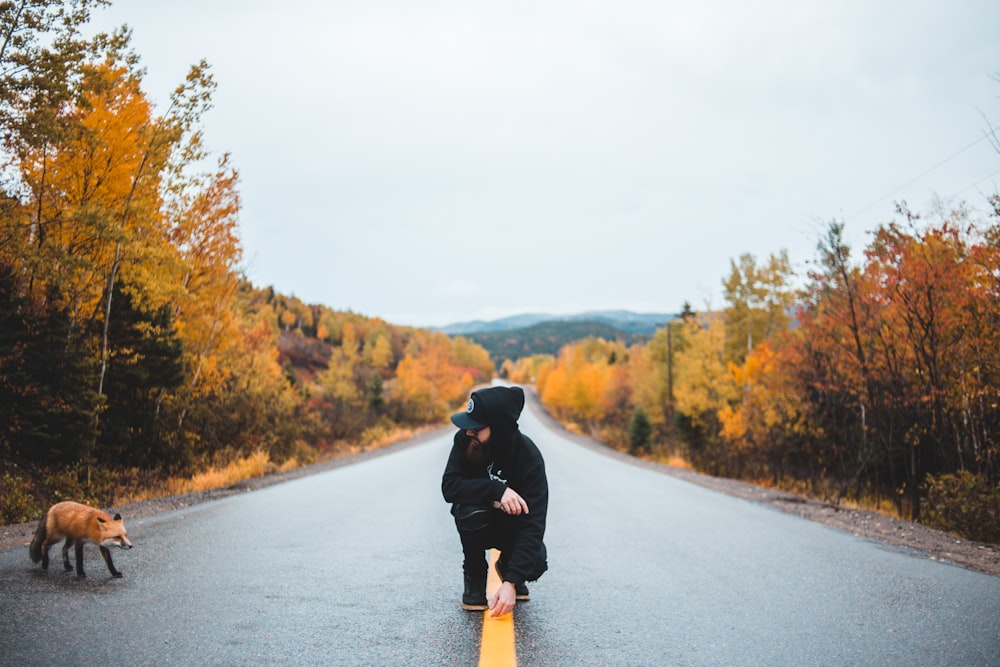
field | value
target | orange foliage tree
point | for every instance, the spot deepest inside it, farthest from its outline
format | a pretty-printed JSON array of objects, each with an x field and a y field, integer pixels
[
  {"x": 899, "y": 354},
  {"x": 588, "y": 383},
  {"x": 766, "y": 430},
  {"x": 432, "y": 378}
]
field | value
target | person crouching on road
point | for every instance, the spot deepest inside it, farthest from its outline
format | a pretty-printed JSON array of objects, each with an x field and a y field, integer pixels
[{"x": 495, "y": 481}]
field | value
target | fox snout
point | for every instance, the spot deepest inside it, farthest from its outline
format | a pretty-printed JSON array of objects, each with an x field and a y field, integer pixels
[{"x": 119, "y": 539}]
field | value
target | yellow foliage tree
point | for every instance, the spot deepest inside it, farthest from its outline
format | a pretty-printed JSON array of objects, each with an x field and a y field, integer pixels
[
  {"x": 471, "y": 356},
  {"x": 204, "y": 231},
  {"x": 582, "y": 383},
  {"x": 703, "y": 385},
  {"x": 350, "y": 342},
  {"x": 338, "y": 380},
  {"x": 95, "y": 196},
  {"x": 646, "y": 372},
  {"x": 527, "y": 370},
  {"x": 553, "y": 387},
  {"x": 428, "y": 381},
  {"x": 379, "y": 354}
]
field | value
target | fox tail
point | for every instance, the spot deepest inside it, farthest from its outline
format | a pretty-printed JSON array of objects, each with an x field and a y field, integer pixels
[{"x": 39, "y": 539}]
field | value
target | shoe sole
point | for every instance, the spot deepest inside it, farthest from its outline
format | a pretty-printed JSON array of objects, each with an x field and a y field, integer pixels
[{"x": 475, "y": 607}]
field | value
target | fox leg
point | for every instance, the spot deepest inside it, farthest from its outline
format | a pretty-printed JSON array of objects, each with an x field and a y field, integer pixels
[
  {"x": 106, "y": 552},
  {"x": 79, "y": 559},
  {"x": 45, "y": 554},
  {"x": 65, "y": 554}
]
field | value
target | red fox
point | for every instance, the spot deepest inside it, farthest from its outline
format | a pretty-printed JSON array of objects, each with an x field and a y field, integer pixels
[{"x": 78, "y": 524}]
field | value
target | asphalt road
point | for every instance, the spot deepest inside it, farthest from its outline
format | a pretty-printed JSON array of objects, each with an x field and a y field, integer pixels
[{"x": 360, "y": 565}]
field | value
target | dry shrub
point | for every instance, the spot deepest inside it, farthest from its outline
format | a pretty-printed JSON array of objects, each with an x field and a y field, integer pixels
[
  {"x": 17, "y": 503},
  {"x": 677, "y": 461},
  {"x": 384, "y": 434},
  {"x": 965, "y": 504},
  {"x": 255, "y": 464}
]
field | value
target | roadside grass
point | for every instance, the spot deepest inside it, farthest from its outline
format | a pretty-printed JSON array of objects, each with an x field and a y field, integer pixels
[
  {"x": 823, "y": 490},
  {"x": 25, "y": 494},
  {"x": 256, "y": 464}
]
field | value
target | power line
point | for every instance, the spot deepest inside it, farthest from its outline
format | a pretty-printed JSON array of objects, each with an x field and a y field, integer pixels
[
  {"x": 976, "y": 183},
  {"x": 921, "y": 175}
]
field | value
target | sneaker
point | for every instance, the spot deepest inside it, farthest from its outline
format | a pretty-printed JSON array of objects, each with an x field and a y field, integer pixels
[
  {"x": 474, "y": 597},
  {"x": 520, "y": 589}
]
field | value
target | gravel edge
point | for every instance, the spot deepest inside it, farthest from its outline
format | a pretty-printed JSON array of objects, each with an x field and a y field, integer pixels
[{"x": 926, "y": 542}]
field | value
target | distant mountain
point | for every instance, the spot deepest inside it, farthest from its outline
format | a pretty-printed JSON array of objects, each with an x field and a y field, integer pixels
[
  {"x": 503, "y": 324},
  {"x": 622, "y": 320},
  {"x": 547, "y": 334},
  {"x": 546, "y": 338}
]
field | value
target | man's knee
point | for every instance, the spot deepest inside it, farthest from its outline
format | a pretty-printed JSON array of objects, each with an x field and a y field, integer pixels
[
  {"x": 540, "y": 565},
  {"x": 471, "y": 518}
]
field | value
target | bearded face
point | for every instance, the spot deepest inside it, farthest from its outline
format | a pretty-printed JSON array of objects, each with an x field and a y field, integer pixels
[{"x": 479, "y": 449}]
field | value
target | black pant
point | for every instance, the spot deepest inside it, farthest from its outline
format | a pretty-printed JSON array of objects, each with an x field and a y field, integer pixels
[{"x": 481, "y": 527}]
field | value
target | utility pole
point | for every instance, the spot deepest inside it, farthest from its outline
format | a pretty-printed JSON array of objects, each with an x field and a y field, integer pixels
[{"x": 670, "y": 365}]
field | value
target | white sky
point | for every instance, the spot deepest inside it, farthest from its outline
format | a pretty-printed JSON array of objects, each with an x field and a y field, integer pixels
[{"x": 441, "y": 161}]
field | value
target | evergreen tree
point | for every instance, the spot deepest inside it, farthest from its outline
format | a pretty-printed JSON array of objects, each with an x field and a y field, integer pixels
[
  {"x": 144, "y": 360},
  {"x": 46, "y": 401},
  {"x": 639, "y": 431}
]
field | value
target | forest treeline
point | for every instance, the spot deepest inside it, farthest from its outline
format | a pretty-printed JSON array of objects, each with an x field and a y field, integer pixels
[
  {"x": 877, "y": 380},
  {"x": 547, "y": 337},
  {"x": 131, "y": 347}
]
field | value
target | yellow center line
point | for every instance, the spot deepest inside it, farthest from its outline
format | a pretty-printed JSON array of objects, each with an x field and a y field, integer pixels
[{"x": 497, "y": 647}]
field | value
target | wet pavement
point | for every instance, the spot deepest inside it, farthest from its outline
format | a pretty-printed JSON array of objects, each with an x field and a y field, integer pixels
[{"x": 361, "y": 566}]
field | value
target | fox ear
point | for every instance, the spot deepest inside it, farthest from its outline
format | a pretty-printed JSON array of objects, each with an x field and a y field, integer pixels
[{"x": 118, "y": 517}]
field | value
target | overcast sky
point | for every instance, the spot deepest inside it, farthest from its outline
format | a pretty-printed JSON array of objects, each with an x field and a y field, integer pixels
[{"x": 436, "y": 161}]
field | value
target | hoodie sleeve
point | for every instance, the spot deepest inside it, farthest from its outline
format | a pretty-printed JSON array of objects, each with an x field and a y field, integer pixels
[
  {"x": 527, "y": 545},
  {"x": 461, "y": 485}
]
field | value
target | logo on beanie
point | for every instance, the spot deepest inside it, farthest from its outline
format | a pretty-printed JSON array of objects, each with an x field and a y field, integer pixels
[{"x": 471, "y": 407}]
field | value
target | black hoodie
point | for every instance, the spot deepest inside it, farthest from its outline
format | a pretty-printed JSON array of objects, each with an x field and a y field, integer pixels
[{"x": 514, "y": 462}]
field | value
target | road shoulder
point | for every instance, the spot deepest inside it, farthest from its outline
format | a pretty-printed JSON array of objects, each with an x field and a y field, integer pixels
[{"x": 929, "y": 542}]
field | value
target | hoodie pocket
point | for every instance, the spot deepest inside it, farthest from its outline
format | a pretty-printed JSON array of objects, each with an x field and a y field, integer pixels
[{"x": 471, "y": 517}]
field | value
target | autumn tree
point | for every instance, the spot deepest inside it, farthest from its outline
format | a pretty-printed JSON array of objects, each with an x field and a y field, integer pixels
[
  {"x": 42, "y": 54},
  {"x": 650, "y": 373},
  {"x": 428, "y": 380},
  {"x": 835, "y": 347},
  {"x": 895, "y": 353},
  {"x": 203, "y": 217},
  {"x": 84, "y": 193},
  {"x": 935, "y": 301},
  {"x": 589, "y": 384},
  {"x": 378, "y": 351},
  {"x": 526, "y": 370},
  {"x": 345, "y": 395},
  {"x": 759, "y": 299},
  {"x": 769, "y": 431},
  {"x": 471, "y": 356},
  {"x": 703, "y": 387}
]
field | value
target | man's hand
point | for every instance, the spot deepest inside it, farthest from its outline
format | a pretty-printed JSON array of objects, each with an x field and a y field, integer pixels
[
  {"x": 512, "y": 503},
  {"x": 504, "y": 599}
]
